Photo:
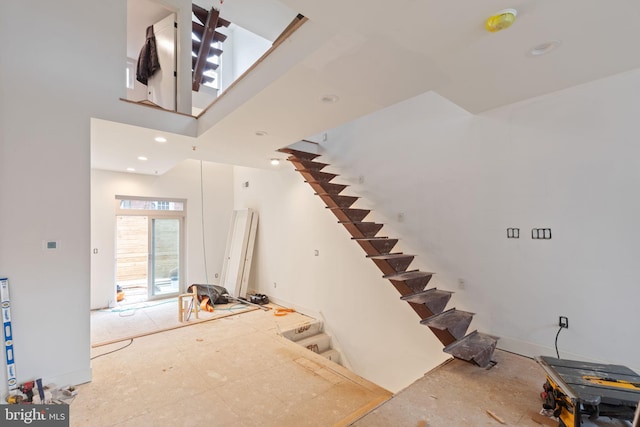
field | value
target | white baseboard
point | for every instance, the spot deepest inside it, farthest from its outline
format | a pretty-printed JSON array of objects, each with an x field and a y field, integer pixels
[{"x": 70, "y": 378}]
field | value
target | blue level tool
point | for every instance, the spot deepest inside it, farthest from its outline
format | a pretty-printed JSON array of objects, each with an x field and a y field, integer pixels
[{"x": 5, "y": 302}]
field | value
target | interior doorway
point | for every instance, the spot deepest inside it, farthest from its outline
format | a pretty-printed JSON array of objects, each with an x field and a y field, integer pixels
[{"x": 149, "y": 236}]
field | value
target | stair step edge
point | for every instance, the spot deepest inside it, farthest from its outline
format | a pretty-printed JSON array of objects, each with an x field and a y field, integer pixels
[
  {"x": 304, "y": 330},
  {"x": 469, "y": 337},
  {"x": 426, "y": 291},
  {"x": 415, "y": 273},
  {"x": 346, "y": 209},
  {"x": 334, "y": 195},
  {"x": 475, "y": 347},
  {"x": 317, "y": 343},
  {"x": 370, "y": 238},
  {"x": 332, "y": 354},
  {"x": 391, "y": 256},
  {"x": 444, "y": 314},
  {"x": 299, "y": 153}
]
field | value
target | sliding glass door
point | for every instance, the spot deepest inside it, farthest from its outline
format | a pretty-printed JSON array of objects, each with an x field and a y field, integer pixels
[
  {"x": 149, "y": 248},
  {"x": 164, "y": 266}
]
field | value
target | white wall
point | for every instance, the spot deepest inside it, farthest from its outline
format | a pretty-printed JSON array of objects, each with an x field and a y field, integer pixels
[
  {"x": 363, "y": 312},
  {"x": 47, "y": 101},
  {"x": 44, "y": 175},
  {"x": 242, "y": 49},
  {"x": 181, "y": 182},
  {"x": 567, "y": 161}
]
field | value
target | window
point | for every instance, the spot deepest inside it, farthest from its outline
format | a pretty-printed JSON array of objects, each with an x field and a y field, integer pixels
[
  {"x": 130, "y": 72},
  {"x": 150, "y": 204}
]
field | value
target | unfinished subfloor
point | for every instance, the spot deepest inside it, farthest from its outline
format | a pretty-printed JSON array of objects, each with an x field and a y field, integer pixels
[
  {"x": 131, "y": 320},
  {"x": 237, "y": 371},
  {"x": 231, "y": 371}
]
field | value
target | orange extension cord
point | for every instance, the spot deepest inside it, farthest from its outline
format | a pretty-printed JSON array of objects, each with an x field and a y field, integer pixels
[{"x": 283, "y": 311}]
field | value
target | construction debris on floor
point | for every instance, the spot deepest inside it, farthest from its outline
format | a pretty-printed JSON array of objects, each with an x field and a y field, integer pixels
[{"x": 33, "y": 392}]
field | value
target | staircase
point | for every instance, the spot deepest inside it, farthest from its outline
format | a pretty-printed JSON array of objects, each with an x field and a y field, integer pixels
[
  {"x": 204, "y": 51},
  {"x": 449, "y": 326},
  {"x": 311, "y": 335}
]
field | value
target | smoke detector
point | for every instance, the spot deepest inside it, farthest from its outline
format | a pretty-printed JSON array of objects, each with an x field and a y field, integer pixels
[{"x": 501, "y": 20}]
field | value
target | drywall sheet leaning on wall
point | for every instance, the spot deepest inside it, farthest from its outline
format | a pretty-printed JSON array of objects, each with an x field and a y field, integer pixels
[{"x": 239, "y": 252}]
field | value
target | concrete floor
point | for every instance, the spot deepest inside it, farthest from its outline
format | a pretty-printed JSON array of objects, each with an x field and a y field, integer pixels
[
  {"x": 237, "y": 371},
  {"x": 460, "y": 394}
]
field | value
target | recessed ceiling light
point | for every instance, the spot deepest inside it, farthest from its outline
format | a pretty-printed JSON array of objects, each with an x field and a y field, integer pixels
[
  {"x": 501, "y": 20},
  {"x": 543, "y": 48},
  {"x": 131, "y": 169},
  {"x": 275, "y": 162},
  {"x": 142, "y": 158},
  {"x": 160, "y": 139},
  {"x": 330, "y": 99},
  {"x": 261, "y": 133}
]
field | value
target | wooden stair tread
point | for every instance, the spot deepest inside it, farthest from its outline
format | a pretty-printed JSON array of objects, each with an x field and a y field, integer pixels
[
  {"x": 349, "y": 209},
  {"x": 327, "y": 187},
  {"x": 336, "y": 200},
  {"x": 299, "y": 154},
  {"x": 349, "y": 214},
  {"x": 317, "y": 175},
  {"x": 213, "y": 51},
  {"x": 390, "y": 256},
  {"x": 336, "y": 195},
  {"x": 370, "y": 238},
  {"x": 362, "y": 229},
  {"x": 376, "y": 245},
  {"x": 367, "y": 224},
  {"x": 308, "y": 164}
]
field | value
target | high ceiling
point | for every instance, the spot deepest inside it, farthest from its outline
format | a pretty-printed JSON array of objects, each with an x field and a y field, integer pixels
[{"x": 372, "y": 54}]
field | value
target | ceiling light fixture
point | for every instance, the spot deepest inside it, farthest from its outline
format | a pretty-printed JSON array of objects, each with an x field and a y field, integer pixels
[
  {"x": 142, "y": 158},
  {"x": 501, "y": 20},
  {"x": 261, "y": 133},
  {"x": 160, "y": 139},
  {"x": 131, "y": 169},
  {"x": 330, "y": 99},
  {"x": 543, "y": 48},
  {"x": 275, "y": 162}
]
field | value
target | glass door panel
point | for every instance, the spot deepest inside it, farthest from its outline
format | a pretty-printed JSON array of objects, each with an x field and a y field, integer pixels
[{"x": 165, "y": 257}]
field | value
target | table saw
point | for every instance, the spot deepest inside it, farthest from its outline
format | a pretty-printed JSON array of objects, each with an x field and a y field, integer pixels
[{"x": 593, "y": 389}]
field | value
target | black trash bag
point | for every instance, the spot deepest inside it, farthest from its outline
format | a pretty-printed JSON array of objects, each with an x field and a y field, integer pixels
[{"x": 215, "y": 294}]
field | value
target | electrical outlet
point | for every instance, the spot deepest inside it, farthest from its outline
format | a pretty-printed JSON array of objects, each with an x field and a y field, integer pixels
[
  {"x": 541, "y": 233},
  {"x": 513, "y": 233},
  {"x": 564, "y": 322}
]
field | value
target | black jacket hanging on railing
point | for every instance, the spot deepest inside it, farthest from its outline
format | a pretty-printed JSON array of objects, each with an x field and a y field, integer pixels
[{"x": 148, "y": 62}]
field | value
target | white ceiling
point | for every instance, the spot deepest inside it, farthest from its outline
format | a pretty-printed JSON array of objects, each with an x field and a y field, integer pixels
[{"x": 373, "y": 54}]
